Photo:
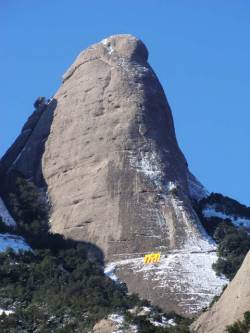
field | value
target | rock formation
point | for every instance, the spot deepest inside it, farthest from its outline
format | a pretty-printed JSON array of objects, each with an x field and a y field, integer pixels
[
  {"x": 111, "y": 326},
  {"x": 107, "y": 155},
  {"x": 232, "y": 305},
  {"x": 105, "y": 326},
  {"x": 25, "y": 154}
]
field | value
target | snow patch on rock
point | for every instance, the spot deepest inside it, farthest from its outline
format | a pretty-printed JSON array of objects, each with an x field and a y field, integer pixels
[
  {"x": 14, "y": 242},
  {"x": 172, "y": 187},
  {"x": 148, "y": 163},
  {"x": 7, "y": 312},
  {"x": 163, "y": 323},
  {"x": 191, "y": 264},
  {"x": 119, "y": 320},
  {"x": 194, "y": 242},
  {"x": 108, "y": 45},
  {"x": 5, "y": 215},
  {"x": 199, "y": 281},
  {"x": 18, "y": 156},
  {"x": 110, "y": 272}
]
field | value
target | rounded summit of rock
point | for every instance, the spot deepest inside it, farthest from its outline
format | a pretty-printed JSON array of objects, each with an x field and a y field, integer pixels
[{"x": 127, "y": 46}]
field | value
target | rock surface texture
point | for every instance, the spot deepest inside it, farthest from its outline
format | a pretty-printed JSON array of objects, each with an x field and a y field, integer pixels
[
  {"x": 114, "y": 324},
  {"x": 116, "y": 177},
  {"x": 105, "y": 326},
  {"x": 232, "y": 305}
]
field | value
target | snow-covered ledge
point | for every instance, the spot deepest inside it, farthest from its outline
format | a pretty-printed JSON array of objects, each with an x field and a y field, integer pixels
[{"x": 5, "y": 215}]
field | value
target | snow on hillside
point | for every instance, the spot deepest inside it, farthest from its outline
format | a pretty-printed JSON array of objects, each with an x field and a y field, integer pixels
[
  {"x": 5, "y": 215},
  {"x": 12, "y": 241},
  {"x": 8, "y": 240},
  {"x": 210, "y": 211},
  {"x": 7, "y": 312},
  {"x": 163, "y": 323},
  {"x": 119, "y": 321}
]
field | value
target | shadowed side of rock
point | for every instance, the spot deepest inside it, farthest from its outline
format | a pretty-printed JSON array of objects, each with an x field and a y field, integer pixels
[{"x": 25, "y": 154}]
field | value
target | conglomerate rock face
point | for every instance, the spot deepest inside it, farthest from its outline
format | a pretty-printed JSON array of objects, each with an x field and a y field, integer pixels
[
  {"x": 112, "y": 152},
  {"x": 232, "y": 305},
  {"x": 116, "y": 177}
]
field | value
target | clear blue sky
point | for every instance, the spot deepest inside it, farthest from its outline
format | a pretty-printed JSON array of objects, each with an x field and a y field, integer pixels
[{"x": 200, "y": 50}]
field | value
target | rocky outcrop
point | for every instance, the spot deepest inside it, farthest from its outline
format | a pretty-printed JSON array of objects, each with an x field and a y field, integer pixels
[
  {"x": 112, "y": 151},
  {"x": 116, "y": 177},
  {"x": 25, "y": 154},
  {"x": 112, "y": 154},
  {"x": 111, "y": 326},
  {"x": 232, "y": 305},
  {"x": 105, "y": 326}
]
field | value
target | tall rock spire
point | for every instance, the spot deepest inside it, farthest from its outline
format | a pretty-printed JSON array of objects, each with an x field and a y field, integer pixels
[
  {"x": 116, "y": 177},
  {"x": 112, "y": 151}
]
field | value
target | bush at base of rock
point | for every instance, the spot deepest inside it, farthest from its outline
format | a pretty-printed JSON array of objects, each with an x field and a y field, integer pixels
[{"x": 241, "y": 326}]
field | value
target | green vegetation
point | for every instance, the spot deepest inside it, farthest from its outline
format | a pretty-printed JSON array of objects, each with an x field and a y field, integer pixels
[
  {"x": 40, "y": 102},
  {"x": 233, "y": 243},
  {"x": 30, "y": 212},
  {"x": 240, "y": 326},
  {"x": 144, "y": 326},
  {"x": 28, "y": 209},
  {"x": 50, "y": 291}
]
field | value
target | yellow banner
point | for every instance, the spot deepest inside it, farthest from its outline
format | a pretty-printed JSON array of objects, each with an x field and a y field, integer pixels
[{"x": 152, "y": 258}]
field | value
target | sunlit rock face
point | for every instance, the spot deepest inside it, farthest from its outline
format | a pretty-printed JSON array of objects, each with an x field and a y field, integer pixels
[
  {"x": 112, "y": 153},
  {"x": 116, "y": 177}
]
